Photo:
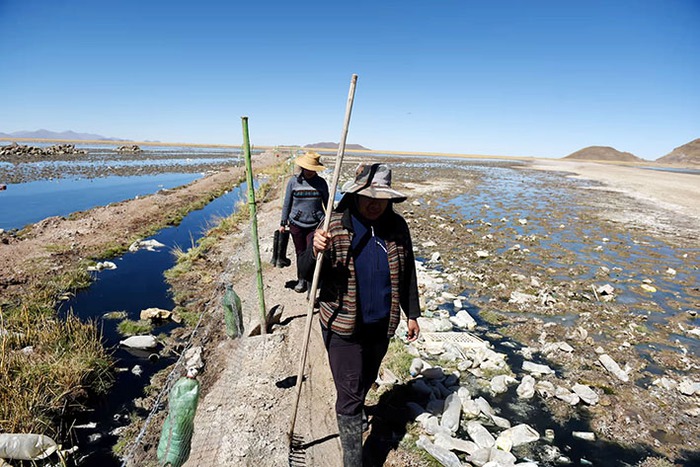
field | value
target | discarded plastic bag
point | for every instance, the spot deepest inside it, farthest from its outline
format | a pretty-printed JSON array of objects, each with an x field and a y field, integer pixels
[
  {"x": 26, "y": 446},
  {"x": 233, "y": 313},
  {"x": 174, "y": 445}
]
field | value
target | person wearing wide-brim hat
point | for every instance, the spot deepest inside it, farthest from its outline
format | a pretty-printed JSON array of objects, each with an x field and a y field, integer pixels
[
  {"x": 368, "y": 280},
  {"x": 302, "y": 211}
]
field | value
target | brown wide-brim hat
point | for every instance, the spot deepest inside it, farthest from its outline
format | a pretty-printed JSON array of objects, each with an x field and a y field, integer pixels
[
  {"x": 374, "y": 181},
  {"x": 310, "y": 161}
]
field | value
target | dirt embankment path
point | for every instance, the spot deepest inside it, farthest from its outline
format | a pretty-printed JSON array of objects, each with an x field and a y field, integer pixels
[{"x": 244, "y": 413}]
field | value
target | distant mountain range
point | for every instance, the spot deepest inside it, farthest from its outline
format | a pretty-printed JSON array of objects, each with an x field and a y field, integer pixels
[
  {"x": 67, "y": 135},
  {"x": 687, "y": 154}
]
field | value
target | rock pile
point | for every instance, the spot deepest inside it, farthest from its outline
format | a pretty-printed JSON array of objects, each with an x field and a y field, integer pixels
[
  {"x": 129, "y": 148},
  {"x": 15, "y": 149},
  {"x": 455, "y": 377}
]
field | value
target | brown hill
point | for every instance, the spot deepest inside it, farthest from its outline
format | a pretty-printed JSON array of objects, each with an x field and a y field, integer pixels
[
  {"x": 687, "y": 154},
  {"x": 334, "y": 146},
  {"x": 603, "y": 153}
]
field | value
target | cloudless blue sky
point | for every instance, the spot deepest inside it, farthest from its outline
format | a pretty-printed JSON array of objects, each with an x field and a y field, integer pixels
[{"x": 526, "y": 78}]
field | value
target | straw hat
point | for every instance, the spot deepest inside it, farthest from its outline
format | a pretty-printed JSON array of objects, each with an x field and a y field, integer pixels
[
  {"x": 374, "y": 181},
  {"x": 310, "y": 161}
]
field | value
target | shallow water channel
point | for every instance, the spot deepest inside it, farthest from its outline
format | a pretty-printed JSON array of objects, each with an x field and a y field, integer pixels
[{"x": 136, "y": 284}]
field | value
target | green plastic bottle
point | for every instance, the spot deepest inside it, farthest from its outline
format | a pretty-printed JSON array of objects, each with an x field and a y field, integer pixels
[
  {"x": 233, "y": 313},
  {"x": 176, "y": 438}
]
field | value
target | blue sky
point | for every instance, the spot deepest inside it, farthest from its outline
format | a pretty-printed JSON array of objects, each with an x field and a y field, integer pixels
[{"x": 524, "y": 78}]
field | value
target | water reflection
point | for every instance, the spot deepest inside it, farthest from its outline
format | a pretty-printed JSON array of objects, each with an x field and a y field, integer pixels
[{"x": 26, "y": 203}]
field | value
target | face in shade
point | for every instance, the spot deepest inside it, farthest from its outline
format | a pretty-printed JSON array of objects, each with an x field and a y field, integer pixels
[{"x": 371, "y": 208}]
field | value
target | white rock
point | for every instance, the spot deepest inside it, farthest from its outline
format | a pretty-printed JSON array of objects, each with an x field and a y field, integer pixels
[
  {"x": 482, "y": 254},
  {"x": 545, "y": 388},
  {"x": 613, "y": 367},
  {"x": 526, "y": 389},
  {"x": 666, "y": 383},
  {"x": 566, "y": 395},
  {"x": 586, "y": 394},
  {"x": 536, "y": 368},
  {"x": 140, "y": 342},
  {"x": 689, "y": 388},
  {"x": 463, "y": 320},
  {"x": 521, "y": 298},
  {"x": 155, "y": 313},
  {"x": 193, "y": 358}
]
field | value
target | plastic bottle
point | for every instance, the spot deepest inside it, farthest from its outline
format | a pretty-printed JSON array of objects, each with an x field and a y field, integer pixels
[
  {"x": 176, "y": 437},
  {"x": 233, "y": 313}
]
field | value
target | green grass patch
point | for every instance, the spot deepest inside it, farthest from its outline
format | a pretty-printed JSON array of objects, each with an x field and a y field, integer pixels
[
  {"x": 130, "y": 327},
  {"x": 65, "y": 362},
  {"x": 492, "y": 317},
  {"x": 398, "y": 360}
]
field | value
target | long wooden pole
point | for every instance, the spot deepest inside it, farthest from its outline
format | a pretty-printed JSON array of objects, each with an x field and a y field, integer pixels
[
  {"x": 254, "y": 222},
  {"x": 319, "y": 257}
]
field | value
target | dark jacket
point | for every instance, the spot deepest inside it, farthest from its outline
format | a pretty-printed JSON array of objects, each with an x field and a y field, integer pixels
[
  {"x": 304, "y": 201},
  {"x": 338, "y": 295}
]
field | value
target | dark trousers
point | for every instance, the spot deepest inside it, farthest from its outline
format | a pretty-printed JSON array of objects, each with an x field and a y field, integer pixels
[
  {"x": 355, "y": 363},
  {"x": 302, "y": 240}
]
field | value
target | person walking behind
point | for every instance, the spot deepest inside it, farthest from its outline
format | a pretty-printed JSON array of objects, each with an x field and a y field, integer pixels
[
  {"x": 303, "y": 208},
  {"x": 368, "y": 278}
]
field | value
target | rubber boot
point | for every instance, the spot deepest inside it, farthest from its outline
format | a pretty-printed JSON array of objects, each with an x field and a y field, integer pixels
[
  {"x": 350, "y": 431},
  {"x": 301, "y": 286},
  {"x": 282, "y": 260},
  {"x": 275, "y": 248}
]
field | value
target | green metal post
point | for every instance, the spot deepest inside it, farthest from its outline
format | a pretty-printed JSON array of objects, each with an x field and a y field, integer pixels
[{"x": 254, "y": 222}]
